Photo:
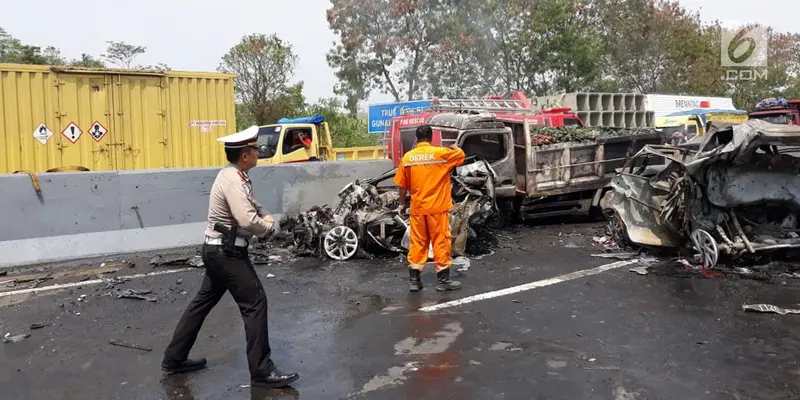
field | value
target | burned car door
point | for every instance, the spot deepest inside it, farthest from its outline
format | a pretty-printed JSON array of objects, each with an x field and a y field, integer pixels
[
  {"x": 496, "y": 147},
  {"x": 636, "y": 202}
]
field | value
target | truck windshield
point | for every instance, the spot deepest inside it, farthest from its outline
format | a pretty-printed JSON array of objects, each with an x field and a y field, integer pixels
[
  {"x": 783, "y": 119},
  {"x": 268, "y": 137},
  {"x": 571, "y": 122}
]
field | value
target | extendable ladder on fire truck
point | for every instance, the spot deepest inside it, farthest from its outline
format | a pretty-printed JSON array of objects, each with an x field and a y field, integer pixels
[{"x": 488, "y": 105}]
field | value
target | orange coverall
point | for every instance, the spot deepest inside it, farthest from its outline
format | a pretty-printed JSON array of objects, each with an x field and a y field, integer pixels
[{"x": 425, "y": 173}]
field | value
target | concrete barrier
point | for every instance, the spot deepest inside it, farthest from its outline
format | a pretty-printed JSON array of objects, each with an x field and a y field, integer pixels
[{"x": 94, "y": 214}]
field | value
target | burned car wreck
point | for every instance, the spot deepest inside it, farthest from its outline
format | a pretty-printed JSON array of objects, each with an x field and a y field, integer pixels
[
  {"x": 732, "y": 194},
  {"x": 366, "y": 219}
]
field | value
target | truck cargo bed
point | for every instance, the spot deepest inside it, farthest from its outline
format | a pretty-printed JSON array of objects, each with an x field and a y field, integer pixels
[{"x": 576, "y": 166}]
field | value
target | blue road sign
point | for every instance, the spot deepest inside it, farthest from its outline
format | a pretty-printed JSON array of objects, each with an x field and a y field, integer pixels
[{"x": 380, "y": 115}]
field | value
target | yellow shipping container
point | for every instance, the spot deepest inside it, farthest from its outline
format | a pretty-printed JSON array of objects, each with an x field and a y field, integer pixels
[{"x": 105, "y": 119}]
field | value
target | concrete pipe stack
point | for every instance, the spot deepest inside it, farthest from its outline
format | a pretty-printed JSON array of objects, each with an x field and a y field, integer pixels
[{"x": 619, "y": 110}]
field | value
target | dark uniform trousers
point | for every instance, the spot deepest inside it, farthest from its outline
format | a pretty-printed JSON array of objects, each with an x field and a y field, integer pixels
[{"x": 237, "y": 275}]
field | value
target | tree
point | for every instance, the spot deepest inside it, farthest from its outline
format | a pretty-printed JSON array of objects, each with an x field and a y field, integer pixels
[
  {"x": 122, "y": 54},
  {"x": 656, "y": 46},
  {"x": 383, "y": 45},
  {"x": 346, "y": 131},
  {"x": 87, "y": 61},
  {"x": 263, "y": 66}
]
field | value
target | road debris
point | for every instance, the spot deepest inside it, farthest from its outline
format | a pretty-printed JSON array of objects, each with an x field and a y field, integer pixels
[
  {"x": 16, "y": 338},
  {"x": 769, "y": 308},
  {"x": 137, "y": 295},
  {"x": 38, "y": 326},
  {"x": 617, "y": 256},
  {"x": 192, "y": 261},
  {"x": 463, "y": 262},
  {"x": 119, "y": 263},
  {"x": 639, "y": 270},
  {"x": 129, "y": 345}
]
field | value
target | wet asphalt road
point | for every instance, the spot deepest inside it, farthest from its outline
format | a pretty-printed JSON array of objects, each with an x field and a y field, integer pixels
[{"x": 353, "y": 331}]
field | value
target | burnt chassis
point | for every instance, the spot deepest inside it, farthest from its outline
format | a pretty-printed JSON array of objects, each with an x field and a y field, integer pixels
[
  {"x": 737, "y": 195},
  {"x": 366, "y": 218}
]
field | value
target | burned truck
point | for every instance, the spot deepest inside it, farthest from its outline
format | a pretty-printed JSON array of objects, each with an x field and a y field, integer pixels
[
  {"x": 542, "y": 171},
  {"x": 366, "y": 219},
  {"x": 736, "y": 196}
]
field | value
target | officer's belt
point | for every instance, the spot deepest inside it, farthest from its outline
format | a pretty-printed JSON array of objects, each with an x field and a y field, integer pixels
[{"x": 240, "y": 241}]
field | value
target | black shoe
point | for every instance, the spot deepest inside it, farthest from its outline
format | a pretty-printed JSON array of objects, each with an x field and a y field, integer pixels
[
  {"x": 187, "y": 365},
  {"x": 276, "y": 379},
  {"x": 415, "y": 279},
  {"x": 444, "y": 281}
]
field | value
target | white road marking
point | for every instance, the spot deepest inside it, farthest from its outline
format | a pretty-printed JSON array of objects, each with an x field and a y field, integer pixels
[
  {"x": 529, "y": 286},
  {"x": 436, "y": 345},
  {"x": 393, "y": 377},
  {"x": 90, "y": 282}
]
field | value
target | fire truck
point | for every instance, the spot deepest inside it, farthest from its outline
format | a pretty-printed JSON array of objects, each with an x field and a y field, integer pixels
[{"x": 513, "y": 112}]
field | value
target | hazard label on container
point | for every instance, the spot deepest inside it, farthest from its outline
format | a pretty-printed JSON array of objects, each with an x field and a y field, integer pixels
[
  {"x": 205, "y": 122},
  {"x": 98, "y": 131},
  {"x": 72, "y": 132},
  {"x": 42, "y": 133}
]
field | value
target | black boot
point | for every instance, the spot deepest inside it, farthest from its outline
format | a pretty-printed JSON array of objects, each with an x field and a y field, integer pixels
[
  {"x": 415, "y": 279},
  {"x": 187, "y": 365},
  {"x": 445, "y": 283},
  {"x": 276, "y": 379}
]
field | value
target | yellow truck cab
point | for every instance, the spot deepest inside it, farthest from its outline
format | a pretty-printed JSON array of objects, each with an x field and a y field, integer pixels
[
  {"x": 284, "y": 143},
  {"x": 682, "y": 126}
]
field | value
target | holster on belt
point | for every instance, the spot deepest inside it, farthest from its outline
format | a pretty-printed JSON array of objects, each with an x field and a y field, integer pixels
[{"x": 228, "y": 238}]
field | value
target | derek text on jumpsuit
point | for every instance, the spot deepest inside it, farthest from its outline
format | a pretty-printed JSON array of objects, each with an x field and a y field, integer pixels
[{"x": 425, "y": 173}]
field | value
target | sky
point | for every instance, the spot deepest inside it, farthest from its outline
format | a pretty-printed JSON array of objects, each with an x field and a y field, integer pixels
[{"x": 194, "y": 35}]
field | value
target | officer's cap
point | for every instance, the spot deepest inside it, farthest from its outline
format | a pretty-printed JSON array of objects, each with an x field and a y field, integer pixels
[{"x": 238, "y": 140}]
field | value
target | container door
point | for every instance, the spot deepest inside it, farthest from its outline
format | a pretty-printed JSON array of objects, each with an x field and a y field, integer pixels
[
  {"x": 83, "y": 134},
  {"x": 140, "y": 120}
]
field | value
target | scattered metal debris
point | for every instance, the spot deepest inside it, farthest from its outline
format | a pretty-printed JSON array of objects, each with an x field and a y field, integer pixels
[
  {"x": 196, "y": 262},
  {"x": 38, "y": 326},
  {"x": 119, "y": 263},
  {"x": 137, "y": 295},
  {"x": 769, "y": 308},
  {"x": 16, "y": 338},
  {"x": 130, "y": 345},
  {"x": 160, "y": 260},
  {"x": 728, "y": 194},
  {"x": 113, "y": 282}
]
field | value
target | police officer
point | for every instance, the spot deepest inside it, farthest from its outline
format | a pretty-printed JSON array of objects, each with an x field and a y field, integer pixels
[{"x": 233, "y": 210}]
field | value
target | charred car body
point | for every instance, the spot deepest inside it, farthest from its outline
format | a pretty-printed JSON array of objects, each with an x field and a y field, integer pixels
[
  {"x": 734, "y": 194},
  {"x": 366, "y": 219}
]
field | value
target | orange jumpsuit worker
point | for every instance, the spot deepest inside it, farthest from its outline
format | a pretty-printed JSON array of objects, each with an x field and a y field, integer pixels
[{"x": 425, "y": 173}]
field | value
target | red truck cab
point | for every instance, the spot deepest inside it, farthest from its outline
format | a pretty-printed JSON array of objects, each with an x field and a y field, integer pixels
[
  {"x": 777, "y": 111},
  {"x": 512, "y": 111}
]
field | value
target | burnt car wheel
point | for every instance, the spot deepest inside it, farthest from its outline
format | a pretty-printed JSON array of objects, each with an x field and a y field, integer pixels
[
  {"x": 340, "y": 243},
  {"x": 706, "y": 247}
]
